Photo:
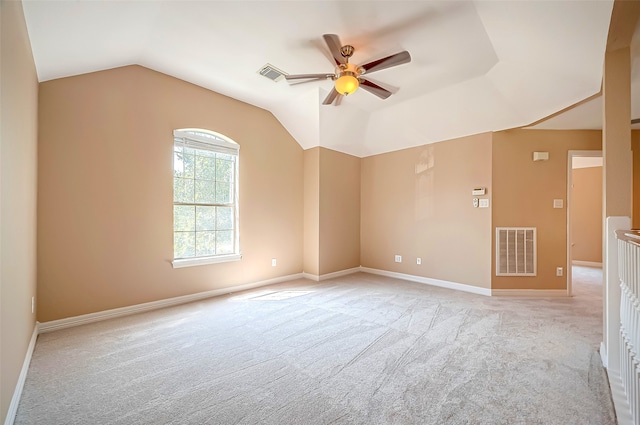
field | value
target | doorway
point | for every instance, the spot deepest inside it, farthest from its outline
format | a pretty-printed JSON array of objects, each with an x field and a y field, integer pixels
[{"x": 584, "y": 212}]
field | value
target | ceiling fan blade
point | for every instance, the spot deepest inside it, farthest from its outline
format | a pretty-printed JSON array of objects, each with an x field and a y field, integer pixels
[
  {"x": 309, "y": 76},
  {"x": 334, "y": 45},
  {"x": 338, "y": 100},
  {"x": 382, "y": 93},
  {"x": 388, "y": 62},
  {"x": 331, "y": 97}
]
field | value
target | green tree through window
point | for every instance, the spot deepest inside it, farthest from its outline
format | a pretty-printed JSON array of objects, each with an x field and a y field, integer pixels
[{"x": 205, "y": 185}]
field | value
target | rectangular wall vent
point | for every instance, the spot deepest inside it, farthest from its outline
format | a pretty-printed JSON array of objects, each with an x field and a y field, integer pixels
[
  {"x": 516, "y": 251},
  {"x": 272, "y": 73}
]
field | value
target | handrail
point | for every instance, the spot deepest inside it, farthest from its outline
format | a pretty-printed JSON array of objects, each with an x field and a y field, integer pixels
[{"x": 631, "y": 236}]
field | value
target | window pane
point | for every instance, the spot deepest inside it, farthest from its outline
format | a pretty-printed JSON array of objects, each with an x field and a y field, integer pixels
[
  {"x": 226, "y": 156},
  {"x": 186, "y": 159},
  {"x": 205, "y": 167},
  {"x": 178, "y": 164},
  {"x": 184, "y": 218},
  {"x": 184, "y": 244},
  {"x": 182, "y": 190},
  {"x": 205, "y": 243},
  {"x": 206, "y": 153},
  {"x": 205, "y": 192},
  {"x": 205, "y": 218},
  {"x": 224, "y": 170},
  {"x": 203, "y": 177},
  {"x": 224, "y": 242},
  {"x": 224, "y": 218},
  {"x": 223, "y": 193}
]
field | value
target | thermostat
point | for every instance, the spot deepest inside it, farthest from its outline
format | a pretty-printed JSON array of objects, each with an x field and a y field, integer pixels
[{"x": 479, "y": 191}]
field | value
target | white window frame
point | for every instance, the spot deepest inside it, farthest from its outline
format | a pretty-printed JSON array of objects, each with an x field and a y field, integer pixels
[{"x": 202, "y": 139}]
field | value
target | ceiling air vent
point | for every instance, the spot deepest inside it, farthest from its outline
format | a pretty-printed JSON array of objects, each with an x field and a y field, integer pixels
[{"x": 272, "y": 73}]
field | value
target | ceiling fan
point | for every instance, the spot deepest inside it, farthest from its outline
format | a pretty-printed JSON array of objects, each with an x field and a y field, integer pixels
[{"x": 347, "y": 76}]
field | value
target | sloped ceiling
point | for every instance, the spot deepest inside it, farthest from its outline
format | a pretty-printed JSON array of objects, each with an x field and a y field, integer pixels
[
  {"x": 588, "y": 115},
  {"x": 477, "y": 66}
]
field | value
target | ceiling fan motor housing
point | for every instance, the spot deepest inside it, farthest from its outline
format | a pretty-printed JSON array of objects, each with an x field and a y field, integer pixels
[{"x": 348, "y": 69}]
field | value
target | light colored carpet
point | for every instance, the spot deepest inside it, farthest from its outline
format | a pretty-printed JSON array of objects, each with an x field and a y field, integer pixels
[{"x": 360, "y": 349}]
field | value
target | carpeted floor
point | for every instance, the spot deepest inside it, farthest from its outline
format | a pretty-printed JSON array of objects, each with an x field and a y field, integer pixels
[{"x": 361, "y": 349}]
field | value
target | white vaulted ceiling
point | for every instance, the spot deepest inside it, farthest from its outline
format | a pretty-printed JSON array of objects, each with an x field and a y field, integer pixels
[{"x": 477, "y": 66}]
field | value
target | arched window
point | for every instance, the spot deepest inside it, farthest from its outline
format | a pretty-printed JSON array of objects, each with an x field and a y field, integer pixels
[{"x": 205, "y": 198}]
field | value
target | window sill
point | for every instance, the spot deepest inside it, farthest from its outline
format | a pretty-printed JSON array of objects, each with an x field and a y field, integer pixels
[{"x": 201, "y": 261}]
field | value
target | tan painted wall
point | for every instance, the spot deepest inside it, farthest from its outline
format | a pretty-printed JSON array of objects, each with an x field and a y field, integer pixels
[
  {"x": 523, "y": 194},
  {"x": 417, "y": 203},
  {"x": 586, "y": 214},
  {"x": 18, "y": 179},
  {"x": 339, "y": 211},
  {"x": 616, "y": 134},
  {"x": 105, "y": 195},
  {"x": 312, "y": 211}
]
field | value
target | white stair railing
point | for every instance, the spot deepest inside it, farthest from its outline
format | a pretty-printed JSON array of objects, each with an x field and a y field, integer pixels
[{"x": 629, "y": 274}]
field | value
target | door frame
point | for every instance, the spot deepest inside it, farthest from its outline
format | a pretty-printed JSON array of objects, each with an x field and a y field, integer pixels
[{"x": 573, "y": 154}]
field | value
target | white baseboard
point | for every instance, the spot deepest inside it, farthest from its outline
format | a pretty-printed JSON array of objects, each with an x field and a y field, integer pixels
[
  {"x": 529, "y": 292},
  {"x": 603, "y": 355},
  {"x": 429, "y": 281},
  {"x": 310, "y": 276},
  {"x": 319, "y": 278},
  {"x": 15, "y": 400},
  {"x": 586, "y": 264},
  {"x": 68, "y": 322}
]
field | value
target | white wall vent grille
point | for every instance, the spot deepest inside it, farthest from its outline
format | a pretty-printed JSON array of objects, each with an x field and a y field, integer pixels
[
  {"x": 272, "y": 73},
  {"x": 516, "y": 251}
]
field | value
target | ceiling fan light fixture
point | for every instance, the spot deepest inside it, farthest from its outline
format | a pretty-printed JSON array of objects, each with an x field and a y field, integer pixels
[{"x": 347, "y": 84}]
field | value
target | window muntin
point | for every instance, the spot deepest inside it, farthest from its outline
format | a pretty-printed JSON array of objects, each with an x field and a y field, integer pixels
[{"x": 205, "y": 197}]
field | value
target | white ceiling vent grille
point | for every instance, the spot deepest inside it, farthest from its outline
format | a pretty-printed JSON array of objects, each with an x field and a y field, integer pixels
[
  {"x": 516, "y": 251},
  {"x": 272, "y": 73}
]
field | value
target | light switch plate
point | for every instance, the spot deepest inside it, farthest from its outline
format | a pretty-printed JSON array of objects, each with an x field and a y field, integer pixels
[
  {"x": 558, "y": 203},
  {"x": 484, "y": 203}
]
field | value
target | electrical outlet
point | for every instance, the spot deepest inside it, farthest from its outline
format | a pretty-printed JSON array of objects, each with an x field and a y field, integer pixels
[
  {"x": 398, "y": 258},
  {"x": 559, "y": 271},
  {"x": 273, "y": 262},
  {"x": 418, "y": 261}
]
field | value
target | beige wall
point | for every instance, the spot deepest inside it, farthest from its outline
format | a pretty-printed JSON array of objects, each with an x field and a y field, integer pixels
[
  {"x": 312, "y": 211},
  {"x": 523, "y": 194},
  {"x": 417, "y": 203},
  {"x": 105, "y": 196},
  {"x": 616, "y": 134},
  {"x": 586, "y": 214},
  {"x": 339, "y": 211},
  {"x": 18, "y": 168}
]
